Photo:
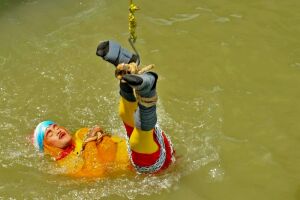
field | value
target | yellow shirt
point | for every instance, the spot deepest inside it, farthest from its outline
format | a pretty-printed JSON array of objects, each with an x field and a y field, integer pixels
[{"x": 108, "y": 157}]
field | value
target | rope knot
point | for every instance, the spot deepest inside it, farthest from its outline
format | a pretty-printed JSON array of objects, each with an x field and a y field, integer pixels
[{"x": 131, "y": 68}]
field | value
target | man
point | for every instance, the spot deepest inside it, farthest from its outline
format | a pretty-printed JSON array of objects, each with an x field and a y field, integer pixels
[{"x": 92, "y": 152}]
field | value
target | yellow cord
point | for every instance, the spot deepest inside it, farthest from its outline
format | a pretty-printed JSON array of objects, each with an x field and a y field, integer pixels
[{"x": 132, "y": 21}]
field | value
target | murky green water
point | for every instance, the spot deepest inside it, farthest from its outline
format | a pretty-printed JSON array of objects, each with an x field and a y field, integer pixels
[{"x": 229, "y": 94}]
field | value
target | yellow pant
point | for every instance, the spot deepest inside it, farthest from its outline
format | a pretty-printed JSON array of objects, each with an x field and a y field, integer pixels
[{"x": 140, "y": 141}]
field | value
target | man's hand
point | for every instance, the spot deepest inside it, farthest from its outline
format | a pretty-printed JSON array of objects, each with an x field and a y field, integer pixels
[{"x": 95, "y": 134}]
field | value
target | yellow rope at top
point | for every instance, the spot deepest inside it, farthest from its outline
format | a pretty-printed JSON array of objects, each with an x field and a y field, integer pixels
[{"x": 132, "y": 21}]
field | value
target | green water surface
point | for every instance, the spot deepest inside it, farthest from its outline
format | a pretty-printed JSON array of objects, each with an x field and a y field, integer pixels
[{"x": 229, "y": 91}]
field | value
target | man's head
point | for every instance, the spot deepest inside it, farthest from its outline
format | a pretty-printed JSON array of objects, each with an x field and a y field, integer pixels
[{"x": 48, "y": 132}]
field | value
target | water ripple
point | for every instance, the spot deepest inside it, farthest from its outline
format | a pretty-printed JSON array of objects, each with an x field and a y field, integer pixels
[{"x": 172, "y": 20}]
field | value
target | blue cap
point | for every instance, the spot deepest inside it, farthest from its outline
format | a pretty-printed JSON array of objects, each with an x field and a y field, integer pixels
[{"x": 39, "y": 134}]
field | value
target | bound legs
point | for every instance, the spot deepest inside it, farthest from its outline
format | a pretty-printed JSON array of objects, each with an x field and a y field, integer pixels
[
  {"x": 151, "y": 150},
  {"x": 139, "y": 116}
]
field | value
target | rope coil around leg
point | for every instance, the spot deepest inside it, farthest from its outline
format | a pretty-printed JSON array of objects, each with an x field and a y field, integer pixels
[{"x": 131, "y": 68}]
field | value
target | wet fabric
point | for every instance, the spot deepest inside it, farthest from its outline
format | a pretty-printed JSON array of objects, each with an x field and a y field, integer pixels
[
  {"x": 144, "y": 147},
  {"x": 115, "y": 155},
  {"x": 95, "y": 160}
]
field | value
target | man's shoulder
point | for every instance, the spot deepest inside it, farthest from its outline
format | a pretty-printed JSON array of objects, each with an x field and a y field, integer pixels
[{"x": 80, "y": 133}]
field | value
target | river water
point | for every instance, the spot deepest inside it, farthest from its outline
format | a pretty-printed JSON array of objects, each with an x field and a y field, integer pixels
[{"x": 228, "y": 94}]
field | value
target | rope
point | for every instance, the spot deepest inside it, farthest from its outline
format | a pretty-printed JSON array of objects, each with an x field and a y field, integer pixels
[
  {"x": 131, "y": 68},
  {"x": 132, "y": 21},
  {"x": 132, "y": 27}
]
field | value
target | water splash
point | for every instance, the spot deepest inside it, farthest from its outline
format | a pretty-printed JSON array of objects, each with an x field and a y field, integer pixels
[
  {"x": 194, "y": 147},
  {"x": 172, "y": 20},
  {"x": 82, "y": 100}
]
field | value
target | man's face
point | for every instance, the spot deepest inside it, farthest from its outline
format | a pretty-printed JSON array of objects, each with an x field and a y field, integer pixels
[{"x": 57, "y": 136}]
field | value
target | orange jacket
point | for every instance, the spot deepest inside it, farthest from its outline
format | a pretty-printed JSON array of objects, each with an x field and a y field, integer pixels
[{"x": 108, "y": 157}]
